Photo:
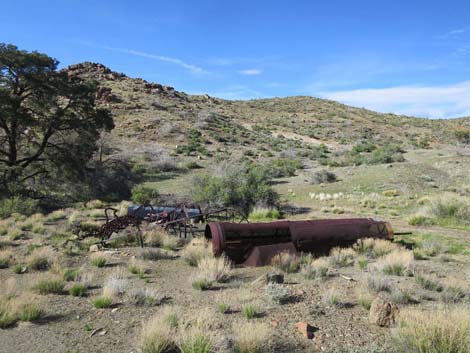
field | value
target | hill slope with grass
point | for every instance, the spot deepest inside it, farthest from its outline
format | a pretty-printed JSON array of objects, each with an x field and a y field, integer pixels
[{"x": 156, "y": 121}]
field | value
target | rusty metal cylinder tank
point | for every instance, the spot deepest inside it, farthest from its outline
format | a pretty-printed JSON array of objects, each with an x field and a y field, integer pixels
[{"x": 237, "y": 241}]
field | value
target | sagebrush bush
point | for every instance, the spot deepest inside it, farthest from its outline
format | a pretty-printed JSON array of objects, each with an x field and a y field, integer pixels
[
  {"x": 440, "y": 331},
  {"x": 144, "y": 296},
  {"x": 277, "y": 293},
  {"x": 323, "y": 176}
]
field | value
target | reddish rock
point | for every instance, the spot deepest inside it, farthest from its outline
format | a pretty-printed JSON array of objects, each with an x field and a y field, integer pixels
[{"x": 305, "y": 329}]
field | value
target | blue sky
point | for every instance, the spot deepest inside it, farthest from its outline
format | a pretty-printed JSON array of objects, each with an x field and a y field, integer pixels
[{"x": 407, "y": 57}]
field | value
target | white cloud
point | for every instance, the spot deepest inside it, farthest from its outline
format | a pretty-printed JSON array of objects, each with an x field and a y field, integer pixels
[
  {"x": 192, "y": 68},
  {"x": 453, "y": 33},
  {"x": 427, "y": 101},
  {"x": 250, "y": 72}
]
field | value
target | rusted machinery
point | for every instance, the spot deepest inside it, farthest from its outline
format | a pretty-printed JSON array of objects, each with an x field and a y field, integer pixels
[{"x": 255, "y": 244}]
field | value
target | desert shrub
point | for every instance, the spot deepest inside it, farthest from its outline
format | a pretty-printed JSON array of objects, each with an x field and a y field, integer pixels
[
  {"x": 115, "y": 285},
  {"x": 16, "y": 234},
  {"x": 332, "y": 297},
  {"x": 144, "y": 296},
  {"x": 157, "y": 334},
  {"x": 8, "y": 317},
  {"x": 71, "y": 274},
  {"x": 98, "y": 260},
  {"x": 364, "y": 301},
  {"x": 430, "y": 248},
  {"x": 362, "y": 262},
  {"x": 102, "y": 302},
  {"x": 5, "y": 258},
  {"x": 55, "y": 216},
  {"x": 29, "y": 311},
  {"x": 282, "y": 167},
  {"x": 391, "y": 193},
  {"x": 49, "y": 285},
  {"x": 223, "y": 308},
  {"x": 428, "y": 283},
  {"x": 439, "y": 331},
  {"x": 277, "y": 293},
  {"x": 453, "y": 294},
  {"x": 77, "y": 290},
  {"x": 342, "y": 257},
  {"x": 39, "y": 263},
  {"x": 398, "y": 263},
  {"x": 150, "y": 254},
  {"x": 137, "y": 269},
  {"x": 241, "y": 188},
  {"x": 197, "y": 249},
  {"x": 316, "y": 269},
  {"x": 377, "y": 284},
  {"x": 214, "y": 269},
  {"x": 250, "y": 311},
  {"x": 323, "y": 176},
  {"x": 16, "y": 204},
  {"x": 19, "y": 268},
  {"x": 196, "y": 341},
  {"x": 202, "y": 284},
  {"x": 374, "y": 247},
  {"x": 144, "y": 195},
  {"x": 452, "y": 207},
  {"x": 251, "y": 337},
  {"x": 420, "y": 220},
  {"x": 155, "y": 236},
  {"x": 368, "y": 349},
  {"x": 264, "y": 213},
  {"x": 401, "y": 296},
  {"x": 286, "y": 262},
  {"x": 386, "y": 154}
]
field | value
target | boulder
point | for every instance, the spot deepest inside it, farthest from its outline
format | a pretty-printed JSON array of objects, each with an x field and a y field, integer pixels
[{"x": 383, "y": 312}]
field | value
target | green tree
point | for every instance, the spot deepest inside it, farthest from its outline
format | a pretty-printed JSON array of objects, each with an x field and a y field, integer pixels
[{"x": 49, "y": 122}]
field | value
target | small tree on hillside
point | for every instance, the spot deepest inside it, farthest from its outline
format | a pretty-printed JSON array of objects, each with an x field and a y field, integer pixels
[
  {"x": 463, "y": 135},
  {"x": 49, "y": 123}
]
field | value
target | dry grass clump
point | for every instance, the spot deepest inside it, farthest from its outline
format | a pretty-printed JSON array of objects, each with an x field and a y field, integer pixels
[
  {"x": 286, "y": 262},
  {"x": 41, "y": 259},
  {"x": 377, "y": 284},
  {"x": 27, "y": 308},
  {"x": 342, "y": 257},
  {"x": 158, "y": 332},
  {"x": 98, "y": 259},
  {"x": 7, "y": 315},
  {"x": 49, "y": 284},
  {"x": 197, "y": 249},
  {"x": 158, "y": 237},
  {"x": 374, "y": 247},
  {"x": 144, "y": 296},
  {"x": 150, "y": 254},
  {"x": 6, "y": 257},
  {"x": 115, "y": 285},
  {"x": 364, "y": 297},
  {"x": 316, "y": 269},
  {"x": 398, "y": 263},
  {"x": 429, "y": 283},
  {"x": 195, "y": 340},
  {"x": 332, "y": 297},
  {"x": 441, "y": 331},
  {"x": 251, "y": 337},
  {"x": 56, "y": 216},
  {"x": 215, "y": 269}
]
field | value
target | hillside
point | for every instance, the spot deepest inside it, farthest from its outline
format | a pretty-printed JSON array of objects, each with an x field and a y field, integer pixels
[{"x": 159, "y": 120}]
